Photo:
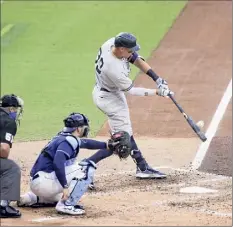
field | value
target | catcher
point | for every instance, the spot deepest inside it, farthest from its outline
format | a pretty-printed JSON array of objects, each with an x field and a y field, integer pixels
[{"x": 56, "y": 178}]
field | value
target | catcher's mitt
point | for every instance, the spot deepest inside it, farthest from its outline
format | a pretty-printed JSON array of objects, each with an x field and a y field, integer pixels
[{"x": 120, "y": 144}]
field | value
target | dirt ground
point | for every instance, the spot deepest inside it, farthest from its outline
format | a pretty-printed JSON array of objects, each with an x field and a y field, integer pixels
[{"x": 195, "y": 58}]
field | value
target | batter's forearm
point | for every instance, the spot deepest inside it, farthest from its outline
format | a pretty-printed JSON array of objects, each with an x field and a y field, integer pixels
[
  {"x": 139, "y": 91},
  {"x": 142, "y": 65},
  {"x": 145, "y": 67}
]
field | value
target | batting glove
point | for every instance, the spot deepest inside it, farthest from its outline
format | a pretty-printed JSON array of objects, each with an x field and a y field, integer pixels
[
  {"x": 161, "y": 83},
  {"x": 163, "y": 89}
]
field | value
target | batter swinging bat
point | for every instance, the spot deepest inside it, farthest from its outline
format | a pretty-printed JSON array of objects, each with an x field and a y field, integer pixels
[{"x": 195, "y": 128}]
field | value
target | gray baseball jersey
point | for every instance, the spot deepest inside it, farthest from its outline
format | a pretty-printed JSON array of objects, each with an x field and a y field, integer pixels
[{"x": 112, "y": 79}]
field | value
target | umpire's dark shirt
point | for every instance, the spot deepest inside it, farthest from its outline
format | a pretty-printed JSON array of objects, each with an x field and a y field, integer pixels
[{"x": 8, "y": 128}]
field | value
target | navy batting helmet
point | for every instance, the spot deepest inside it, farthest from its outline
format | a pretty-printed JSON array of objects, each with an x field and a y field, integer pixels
[
  {"x": 75, "y": 120},
  {"x": 127, "y": 40}
]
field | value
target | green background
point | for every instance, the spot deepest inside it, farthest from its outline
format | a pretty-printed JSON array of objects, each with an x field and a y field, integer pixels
[{"x": 47, "y": 58}]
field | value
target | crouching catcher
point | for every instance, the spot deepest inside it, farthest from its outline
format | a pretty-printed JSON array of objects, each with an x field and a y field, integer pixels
[{"x": 57, "y": 179}]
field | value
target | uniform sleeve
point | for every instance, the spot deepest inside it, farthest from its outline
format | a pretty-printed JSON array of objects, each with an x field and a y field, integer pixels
[
  {"x": 8, "y": 132},
  {"x": 59, "y": 168},
  {"x": 92, "y": 144},
  {"x": 63, "y": 153},
  {"x": 120, "y": 79}
]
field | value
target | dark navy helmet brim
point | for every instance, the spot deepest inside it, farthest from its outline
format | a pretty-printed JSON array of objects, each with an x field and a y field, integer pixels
[{"x": 135, "y": 49}]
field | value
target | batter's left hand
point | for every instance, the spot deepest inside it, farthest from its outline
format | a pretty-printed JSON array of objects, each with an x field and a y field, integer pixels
[{"x": 162, "y": 84}]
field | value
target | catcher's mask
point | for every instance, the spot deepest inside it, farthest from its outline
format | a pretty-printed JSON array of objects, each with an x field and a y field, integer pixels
[
  {"x": 16, "y": 102},
  {"x": 77, "y": 120}
]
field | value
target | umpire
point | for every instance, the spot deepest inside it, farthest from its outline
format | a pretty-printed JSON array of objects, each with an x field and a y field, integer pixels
[{"x": 11, "y": 109}]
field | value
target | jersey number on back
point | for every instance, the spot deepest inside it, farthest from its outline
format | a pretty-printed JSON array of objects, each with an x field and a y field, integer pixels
[{"x": 99, "y": 62}]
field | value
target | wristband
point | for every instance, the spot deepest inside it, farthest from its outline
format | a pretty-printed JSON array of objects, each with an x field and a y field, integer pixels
[{"x": 152, "y": 74}]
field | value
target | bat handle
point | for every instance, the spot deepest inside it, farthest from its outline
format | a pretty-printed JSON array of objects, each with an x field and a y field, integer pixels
[{"x": 177, "y": 105}]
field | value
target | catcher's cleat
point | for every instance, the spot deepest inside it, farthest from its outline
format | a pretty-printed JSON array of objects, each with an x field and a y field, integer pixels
[
  {"x": 149, "y": 173},
  {"x": 27, "y": 200},
  {"x": 62, "y": 208},
  {"x": 31, "y": 200},
  {"x": 91, "y": 186}
]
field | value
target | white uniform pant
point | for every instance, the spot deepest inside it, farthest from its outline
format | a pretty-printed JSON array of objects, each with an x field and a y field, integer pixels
[
  {"x": 114, "y": 105},
  {"x": 47, "y": 186}
]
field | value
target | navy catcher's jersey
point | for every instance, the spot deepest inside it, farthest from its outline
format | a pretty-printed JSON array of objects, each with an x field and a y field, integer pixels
[
  {"x": 64, "y": 143},
  {"x": 62, "y": 147}
]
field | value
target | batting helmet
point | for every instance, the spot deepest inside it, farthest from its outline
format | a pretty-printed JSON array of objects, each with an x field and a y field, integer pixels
[
  {"x": 127, "y": 40},
  {"x": 75, "y": 120}
]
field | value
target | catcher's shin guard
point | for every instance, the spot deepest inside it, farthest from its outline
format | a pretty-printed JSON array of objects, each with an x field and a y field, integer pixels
[{"x": 79, "y": 186}]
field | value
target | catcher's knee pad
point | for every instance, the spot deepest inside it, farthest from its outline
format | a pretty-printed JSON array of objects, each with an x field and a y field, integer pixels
[{"x": 79, "y": 186}]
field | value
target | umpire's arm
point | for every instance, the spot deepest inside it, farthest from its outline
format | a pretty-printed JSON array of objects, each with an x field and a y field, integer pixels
[{"x": 4, "y": 150}]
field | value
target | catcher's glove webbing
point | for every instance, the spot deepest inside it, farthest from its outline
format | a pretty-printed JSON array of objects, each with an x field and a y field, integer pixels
[{"x": 120, "y": 144}]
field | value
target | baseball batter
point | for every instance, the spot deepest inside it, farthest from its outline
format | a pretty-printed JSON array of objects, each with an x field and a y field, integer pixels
[{"x": 112, "y": 69}]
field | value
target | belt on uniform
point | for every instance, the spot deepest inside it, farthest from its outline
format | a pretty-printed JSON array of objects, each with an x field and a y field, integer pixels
[
  {"x": 104, "y": 89},
  {"x": 35, "y": 176}
]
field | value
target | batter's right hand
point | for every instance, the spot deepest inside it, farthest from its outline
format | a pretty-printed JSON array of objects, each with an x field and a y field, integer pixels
[{"x": 164, "y": 92}]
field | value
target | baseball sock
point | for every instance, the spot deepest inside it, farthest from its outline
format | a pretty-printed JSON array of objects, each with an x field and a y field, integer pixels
[
  {"x": 100, "y": 155},
  {"x": 137, "y": 156}
]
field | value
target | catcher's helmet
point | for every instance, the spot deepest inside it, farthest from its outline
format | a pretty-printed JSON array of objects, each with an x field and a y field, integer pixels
[
  {"x": 127, "y": 40},
  {"x": 75, "y": 120},
  {"x": 10, "y": 101}
]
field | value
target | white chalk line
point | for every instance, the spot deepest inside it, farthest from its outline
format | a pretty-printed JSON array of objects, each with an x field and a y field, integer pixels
[
  {"x": 43, "y": 219},
  {"x": 210, "y": 133}
]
